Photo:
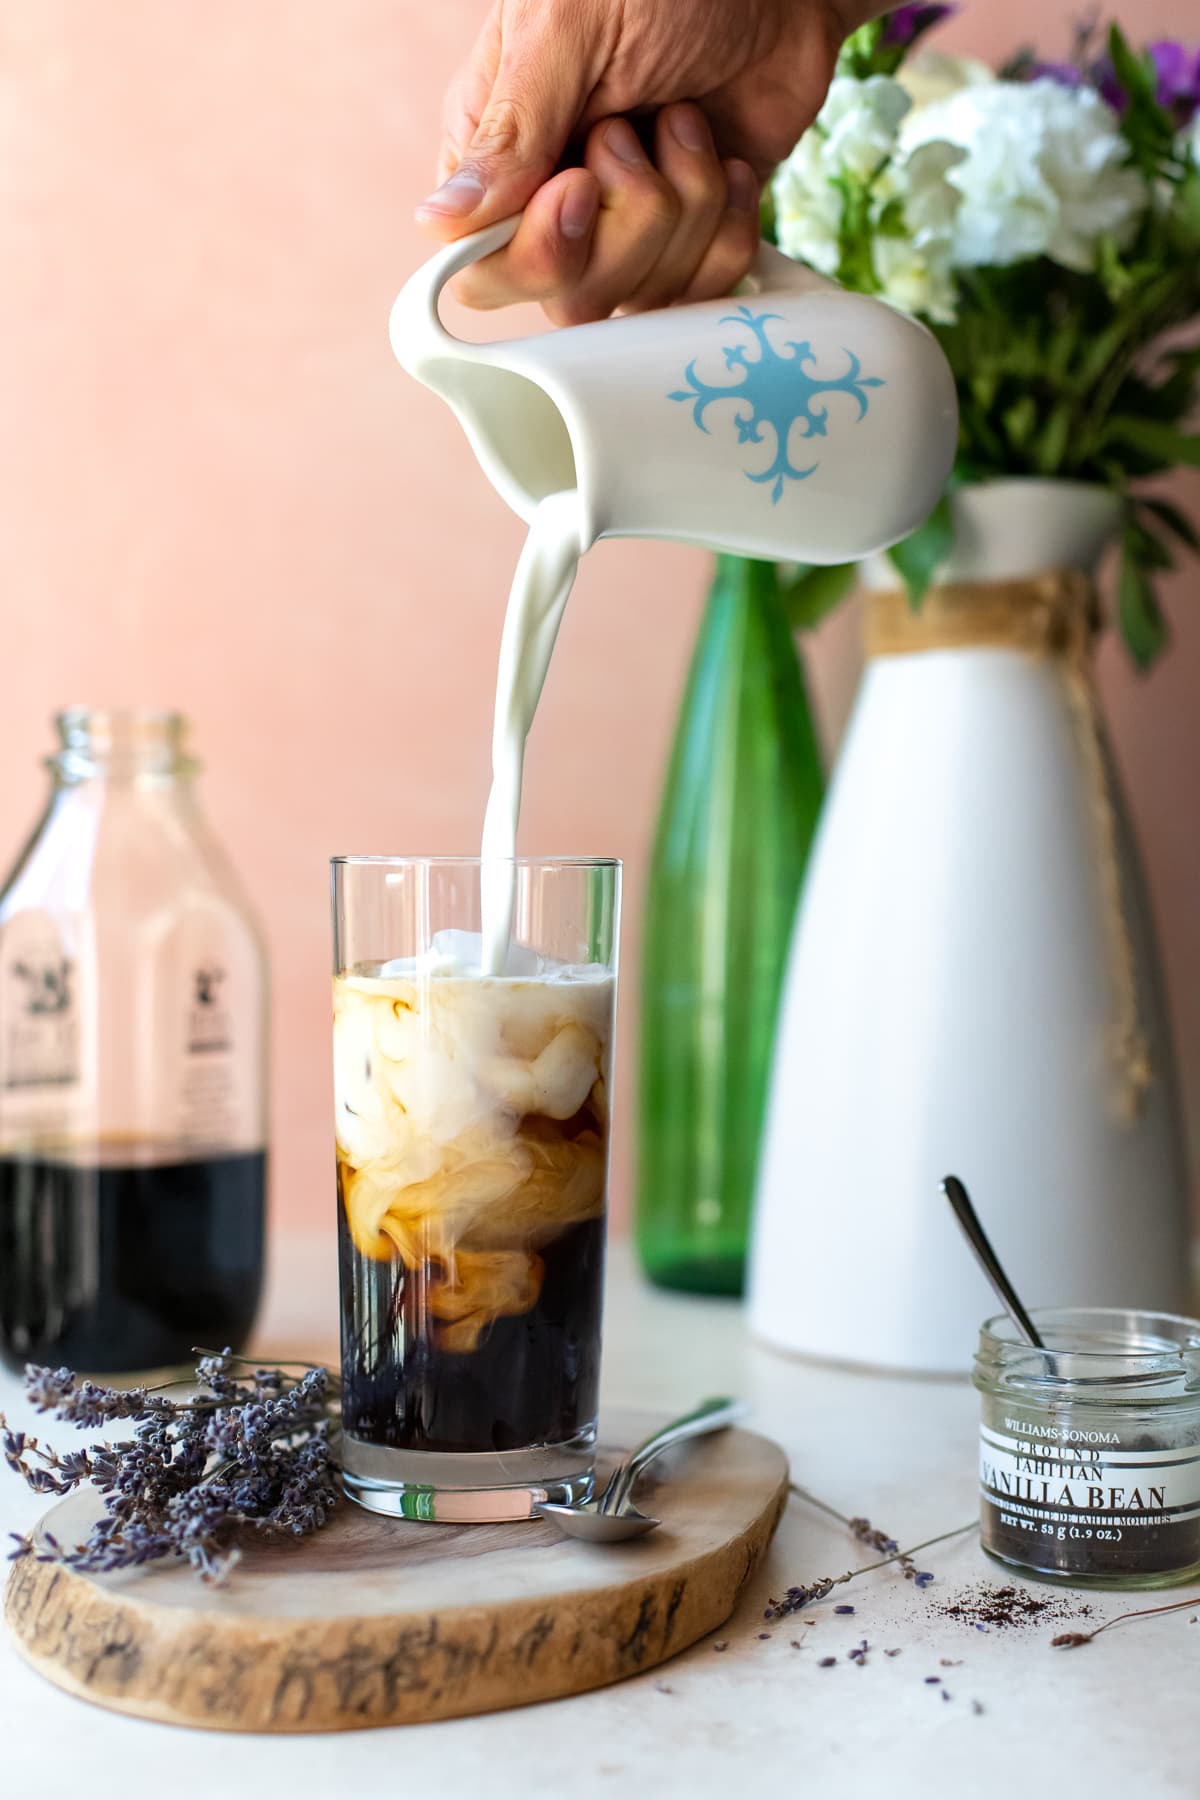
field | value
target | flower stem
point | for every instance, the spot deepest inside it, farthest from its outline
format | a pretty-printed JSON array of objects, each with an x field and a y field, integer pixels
[{"x": 1070, "y": 1640}]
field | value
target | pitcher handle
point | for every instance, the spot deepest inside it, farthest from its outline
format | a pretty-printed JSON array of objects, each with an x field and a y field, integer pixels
[
  {"x": 416, "y": 332},
  {"x": 418, "y": 335}
]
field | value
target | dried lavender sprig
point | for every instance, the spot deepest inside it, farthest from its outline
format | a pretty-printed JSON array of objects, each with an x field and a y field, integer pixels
[
  {"x": 868, "y": 1534},
  {"x": 248, "y": 1453},
  {"x": 797, "y": 1597},
  {"x": 1071, "y": 1640}
]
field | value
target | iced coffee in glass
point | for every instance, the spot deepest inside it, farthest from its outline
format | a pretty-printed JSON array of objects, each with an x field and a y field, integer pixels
[{"x": 472, "y": 1091}]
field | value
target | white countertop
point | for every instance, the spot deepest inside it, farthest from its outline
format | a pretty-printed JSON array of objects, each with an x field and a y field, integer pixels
[{"x": 1114, "y": 1717}]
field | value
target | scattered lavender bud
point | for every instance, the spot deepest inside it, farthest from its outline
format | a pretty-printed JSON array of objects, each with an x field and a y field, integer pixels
[
  {"x": 976, "y": 1706},
  {"x": 891, "y": 1653},
  {"x": 923, "y": 1578},
  {"x": 764, "y": 1634},
  {"x": 827, "y": 1662},
  {"x": 843, "y": 1609},
  {"x": 933, "y": 1680},
  {"x": 945, "y": 1695}
]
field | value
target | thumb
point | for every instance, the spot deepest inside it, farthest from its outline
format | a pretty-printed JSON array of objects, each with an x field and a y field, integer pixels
[{"x": 520, "y": 133}]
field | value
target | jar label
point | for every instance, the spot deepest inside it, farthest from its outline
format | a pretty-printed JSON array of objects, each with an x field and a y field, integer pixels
[{"x": 1086, "y": 1498}]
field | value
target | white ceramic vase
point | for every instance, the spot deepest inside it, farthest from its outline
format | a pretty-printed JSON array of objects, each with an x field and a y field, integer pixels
[{"x": 947, "y": 1004}]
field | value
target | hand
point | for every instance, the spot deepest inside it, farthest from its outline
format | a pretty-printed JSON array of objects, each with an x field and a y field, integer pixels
[{"x": 735, "y": 82}]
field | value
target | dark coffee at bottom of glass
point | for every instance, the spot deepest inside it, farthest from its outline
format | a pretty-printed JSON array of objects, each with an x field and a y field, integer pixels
[
  {"x": 531, "y": 1379},
  {"x": 125, "y": 1263}
]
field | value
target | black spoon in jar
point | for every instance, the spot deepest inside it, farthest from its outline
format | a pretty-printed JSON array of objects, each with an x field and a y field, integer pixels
[{"x": 989, "y": 1262}]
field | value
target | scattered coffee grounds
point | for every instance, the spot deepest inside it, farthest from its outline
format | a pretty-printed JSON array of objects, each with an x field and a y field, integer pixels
[{"x": 1008, "y": 1608}]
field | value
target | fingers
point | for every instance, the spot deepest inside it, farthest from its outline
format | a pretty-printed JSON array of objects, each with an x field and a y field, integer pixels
[
  {"x": 639, "y": 211},
  {"x": 589, "y": 237},
  {"x": 511, "y": 112},
  {"x": 734, "y": 244},
  {"x": 688, "y": 162},
  {"x": 548, "y": 255},
  {"x": 623, "y": 232}
]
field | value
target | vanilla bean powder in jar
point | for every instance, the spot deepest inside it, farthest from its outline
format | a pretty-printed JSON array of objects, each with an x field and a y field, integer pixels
[{"x": 1089, "y": 1450}]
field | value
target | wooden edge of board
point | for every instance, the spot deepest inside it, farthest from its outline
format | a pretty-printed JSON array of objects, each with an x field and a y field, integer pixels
[{"x": 345, "y": 1673}]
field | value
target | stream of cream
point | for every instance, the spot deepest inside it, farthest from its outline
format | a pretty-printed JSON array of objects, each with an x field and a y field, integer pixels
[{"x": 536, "y": 602}]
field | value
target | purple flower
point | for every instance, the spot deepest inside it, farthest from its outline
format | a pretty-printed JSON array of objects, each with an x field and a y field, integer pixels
[
  {"x": 908, "y": 23},
  {"x": 1176, "y": 78},
  {"x": 923, "y": 1578},
  {"x": 1177, "y": 74}
]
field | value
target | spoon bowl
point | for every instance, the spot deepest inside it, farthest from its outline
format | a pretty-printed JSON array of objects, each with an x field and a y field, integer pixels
[
  {"x": 611, "y": 1515},
  {"x": 592, "y": 1526}
]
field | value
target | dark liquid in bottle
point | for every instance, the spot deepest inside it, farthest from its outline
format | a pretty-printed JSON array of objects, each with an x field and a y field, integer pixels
[
  {"x": 125, "y": 1263},
  {"x": 531, "y": 1379}
]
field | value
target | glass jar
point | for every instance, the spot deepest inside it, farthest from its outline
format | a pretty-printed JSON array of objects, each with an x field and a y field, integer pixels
[
  {"x": 133, "y": 1030},
  {"x": 1089, "y": 1450}
]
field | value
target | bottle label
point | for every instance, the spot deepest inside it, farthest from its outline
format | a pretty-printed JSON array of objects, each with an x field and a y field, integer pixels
[
  {"x": 210, "y": 1077},
  {"x": 40, "y": 1006},
  {"x": 1088, "y": 1497}
]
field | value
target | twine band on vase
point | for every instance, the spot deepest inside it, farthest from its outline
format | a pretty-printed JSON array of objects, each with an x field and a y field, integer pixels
[{"x": 1053, "y": 615}]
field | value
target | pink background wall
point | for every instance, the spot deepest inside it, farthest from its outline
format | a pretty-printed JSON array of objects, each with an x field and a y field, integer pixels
[{"x": 218, "y": 492}]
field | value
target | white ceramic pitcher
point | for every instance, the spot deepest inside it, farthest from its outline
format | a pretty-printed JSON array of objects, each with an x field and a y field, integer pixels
[{"x": 800, "y": 423}]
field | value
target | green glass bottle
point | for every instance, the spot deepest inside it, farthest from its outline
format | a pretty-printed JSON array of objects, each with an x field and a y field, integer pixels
[{"x": 742, "y": 795}]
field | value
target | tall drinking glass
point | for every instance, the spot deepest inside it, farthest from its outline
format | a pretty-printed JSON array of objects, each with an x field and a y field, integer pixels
[{"x": 472, "y": 1159}]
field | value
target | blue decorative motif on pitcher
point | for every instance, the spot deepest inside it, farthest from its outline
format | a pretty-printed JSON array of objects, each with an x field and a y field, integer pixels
[{"x": 778, "y": 392}]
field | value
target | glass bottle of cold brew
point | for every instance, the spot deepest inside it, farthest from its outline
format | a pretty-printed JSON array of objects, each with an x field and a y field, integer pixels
[{"x": 133, "y": 1031}]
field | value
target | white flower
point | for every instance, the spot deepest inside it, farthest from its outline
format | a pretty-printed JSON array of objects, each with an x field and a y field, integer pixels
[
  {"x": 856, "y": 137},
  {"x": 1188, "y": 141},
  {"x": 1045, "y": 172},
  {"x": 931, "y": 200},
  {"x": 808, "y": 207},
  {"x": 915, "y": 269},
  {"x": 917, "y": 280},
  {"x": 860, "y": 121},
  {"x": 854, "y": 134},
  {"x": 930, "y": 76}
]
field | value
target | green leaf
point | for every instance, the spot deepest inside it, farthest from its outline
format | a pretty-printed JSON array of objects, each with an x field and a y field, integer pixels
[
  {"x": 1176, "y": 521},
  {"x": 1135, "y": 74},
  {"x": 1020, "y": 419},
  {"x": 917, "y": 556},
  {"x": 1142, "y": 624},
  {"x": 814, "y": 591},
  {"x": 1054, "y": 439},
  {"x": 1160, "y": 441}
]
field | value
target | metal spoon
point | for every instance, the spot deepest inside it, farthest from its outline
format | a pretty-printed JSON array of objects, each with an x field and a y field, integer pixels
[
  {"x": 989, "y": 1262},
  {"x": 612, "y": 1516}
]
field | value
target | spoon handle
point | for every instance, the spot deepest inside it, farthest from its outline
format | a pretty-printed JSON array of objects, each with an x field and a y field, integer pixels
[
  {"x": 710, "y": 1415},
  {"x": 989, "y": 1262}
]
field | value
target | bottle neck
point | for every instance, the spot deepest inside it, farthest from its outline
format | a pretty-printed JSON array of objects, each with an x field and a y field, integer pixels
[{"x": 135, "y": 745}]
